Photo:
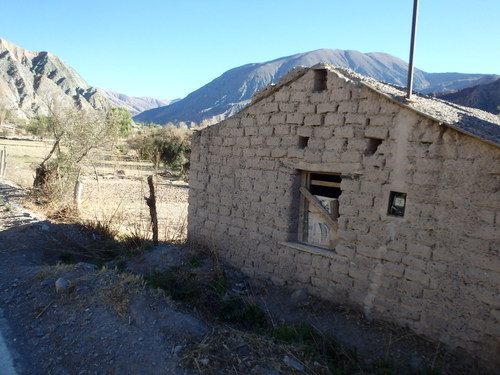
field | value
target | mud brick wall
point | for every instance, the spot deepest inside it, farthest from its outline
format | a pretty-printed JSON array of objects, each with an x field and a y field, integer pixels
[{"x": 435, "y": 270}]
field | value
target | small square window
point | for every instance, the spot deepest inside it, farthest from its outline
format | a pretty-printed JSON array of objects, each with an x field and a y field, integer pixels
[
  {"x": 397, "y": 204},
  {"x": 303, "y": 141},
  {"x": 372, "y": 146}
]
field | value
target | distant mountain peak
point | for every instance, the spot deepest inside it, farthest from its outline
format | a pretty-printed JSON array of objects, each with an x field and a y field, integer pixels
[
  {"x": 30, "y": 81},
  {"x": 485, "y": 96},
  {"x": 233, "y": 90},
  {"x": 133, "y": 104}
]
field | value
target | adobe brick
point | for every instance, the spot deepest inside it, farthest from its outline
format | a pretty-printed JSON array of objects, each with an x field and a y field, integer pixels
[
  {"x": 348, "y": 107},
  {"x": 344, "y": 280},
  {"x": 278, "y": 119},
  {"x": 334, "y": 119},
  {"x": 306, "y": 108},
  {"x": 327, "y": 107},
  {"x": 313, "y": 120},
  {"x": 345, "y": 249},
  {"x": 340, "y": 94},
  {"x": 282, "y": 130},
  {"x": 282, "y": 96},
  {"x": 344, "y": 132},
  {"x": 418, "y": 250},
  {"x": 392, "y": 256},
  {"x": 417, "y": 276},
  {"x": 288, "y": 107},
  {"x": 357, "y": 273},
  {"x": 319, "y": 97},
  {"x": 316, "y": 144},
  {"x": 414, "y": 262},
  {"x": 295, "y": 118},
  {"x": 355, "y": 119},
  {"x": 377, "y": 132},
  {"x": 338, "y": 266},
  {"x": 266, "y": 130}
]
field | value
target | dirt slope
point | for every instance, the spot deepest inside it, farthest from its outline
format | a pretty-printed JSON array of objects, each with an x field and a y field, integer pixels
[{"x": 109, "y": 322}]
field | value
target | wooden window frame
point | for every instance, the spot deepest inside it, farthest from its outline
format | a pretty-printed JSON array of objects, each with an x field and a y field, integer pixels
[{"x": 308, "y": 200}]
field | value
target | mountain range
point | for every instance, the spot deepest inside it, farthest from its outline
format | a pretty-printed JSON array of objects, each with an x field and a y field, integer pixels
[
  {"x": 233, "y": 90},
  {"x": 31, "y": 82},
  {"x": 484, "y": 96},
  {"x": 134, "y": 105}
]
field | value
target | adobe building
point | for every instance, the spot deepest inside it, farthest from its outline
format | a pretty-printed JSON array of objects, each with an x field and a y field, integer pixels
[{"x": 333, "y": 182}]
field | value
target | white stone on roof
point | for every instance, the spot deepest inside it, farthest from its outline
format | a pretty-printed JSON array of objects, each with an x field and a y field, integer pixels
[{"x": 473, "y": 121}]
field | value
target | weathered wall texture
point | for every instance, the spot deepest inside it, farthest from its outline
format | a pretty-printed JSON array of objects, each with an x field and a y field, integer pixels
[{"x": 435, "y": 270}]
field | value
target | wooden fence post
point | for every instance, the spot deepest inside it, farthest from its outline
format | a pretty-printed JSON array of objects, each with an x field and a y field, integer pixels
[
  {"x": 3, "y": 161},
  {"x": 77, "y": 195},
  {"x": 151, "y": 202}
]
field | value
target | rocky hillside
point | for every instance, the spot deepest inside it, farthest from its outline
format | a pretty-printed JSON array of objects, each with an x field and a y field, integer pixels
[
  {"x": 233, "y": 90},
  {"x": 31, "y": 81},
  {"x": 134, "y": 105},
  {"x": 485, "y": 97}
]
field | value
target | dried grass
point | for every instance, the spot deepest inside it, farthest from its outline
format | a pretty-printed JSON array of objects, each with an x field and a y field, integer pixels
[
  {"x": 229, "y": 351},
  {"x": 53, "y": 272},
  {"x": 122, "y": 205},
  {"x": 118, "y": 291}
]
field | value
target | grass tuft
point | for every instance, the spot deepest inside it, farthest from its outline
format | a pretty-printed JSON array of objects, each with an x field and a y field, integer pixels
[{"x": 178, "y": 282}]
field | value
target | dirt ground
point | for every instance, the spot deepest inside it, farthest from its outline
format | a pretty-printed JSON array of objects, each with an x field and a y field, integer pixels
[
  {"x": 108, "y": 321},
  {"x": 121, "y": 202},
  {"x": 113, "y": 190}
]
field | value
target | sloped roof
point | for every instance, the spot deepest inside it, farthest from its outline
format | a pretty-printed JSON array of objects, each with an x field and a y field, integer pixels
[{"x": 471, "y": 121}]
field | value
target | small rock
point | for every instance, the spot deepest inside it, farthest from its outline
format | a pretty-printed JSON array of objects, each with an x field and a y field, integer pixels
[
  {"x": 292, "y": 363},
  {"x": 204, "y": 361},
  {"x": 63, "y": 286}
]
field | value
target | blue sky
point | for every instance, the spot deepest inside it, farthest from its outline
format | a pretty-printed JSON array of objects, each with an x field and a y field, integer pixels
[{"x": 167, "y": 49}]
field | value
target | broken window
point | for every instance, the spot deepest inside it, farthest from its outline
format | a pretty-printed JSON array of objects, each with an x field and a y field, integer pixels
[{"x": 319, "y": 209}]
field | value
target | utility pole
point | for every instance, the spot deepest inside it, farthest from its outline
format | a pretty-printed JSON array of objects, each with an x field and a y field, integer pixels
[{"x": 409, "y": 86}]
